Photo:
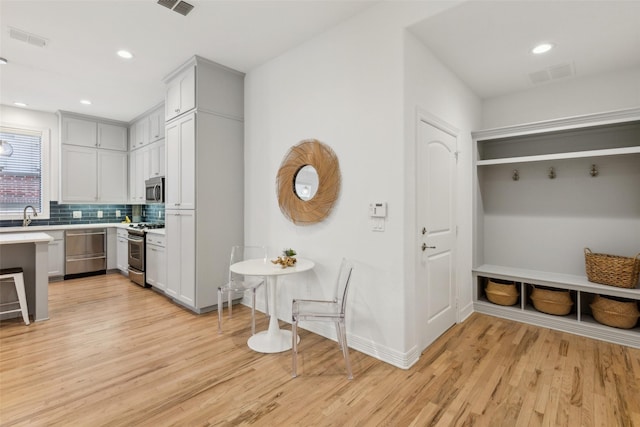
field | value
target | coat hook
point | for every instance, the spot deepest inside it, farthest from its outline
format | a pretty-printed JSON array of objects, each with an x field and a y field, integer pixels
[
  {"x": 594, "y": 171},
  {"x": 552, "y": 173},
  {"x": 516, "y": 175}
]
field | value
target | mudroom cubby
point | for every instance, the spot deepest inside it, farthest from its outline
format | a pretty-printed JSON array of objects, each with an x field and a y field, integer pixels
[{"x": 543, "y": 193}]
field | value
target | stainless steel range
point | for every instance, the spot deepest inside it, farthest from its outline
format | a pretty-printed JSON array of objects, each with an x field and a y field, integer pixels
[{"x": 137, "y": 246}]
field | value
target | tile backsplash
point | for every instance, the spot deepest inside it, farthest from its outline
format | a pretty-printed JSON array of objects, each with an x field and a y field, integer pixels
[{"x": 63, "y": 214}]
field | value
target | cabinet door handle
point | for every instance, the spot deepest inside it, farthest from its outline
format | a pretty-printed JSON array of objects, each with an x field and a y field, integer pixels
[
  {"x": 425, "y": 247},
  {"x": 177, "y": 110}
]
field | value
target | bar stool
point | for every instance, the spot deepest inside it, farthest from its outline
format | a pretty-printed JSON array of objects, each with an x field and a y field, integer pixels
[{"x": 15, "y": 276}]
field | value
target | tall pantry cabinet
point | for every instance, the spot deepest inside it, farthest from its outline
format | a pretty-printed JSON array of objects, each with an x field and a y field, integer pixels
[{"x": 204, "y": 204}]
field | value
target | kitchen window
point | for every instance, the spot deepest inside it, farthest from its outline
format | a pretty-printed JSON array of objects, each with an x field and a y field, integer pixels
[{"x": 24, "y": 162}]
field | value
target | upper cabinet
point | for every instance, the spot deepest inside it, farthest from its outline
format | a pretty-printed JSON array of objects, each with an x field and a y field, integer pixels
[
  {"x": 93, "y": 132},
  {"x": 181, "y": 93},
  {"x": 147, "y": 128},
  {"x": 112, "y": 137},
  {"x": 93, "y": 159},
  {"x": 206, "y": 86},
  {"x": 156, "y": 124}
]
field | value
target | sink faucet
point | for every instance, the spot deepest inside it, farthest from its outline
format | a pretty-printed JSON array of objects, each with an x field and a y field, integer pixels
[{"x": 27, "y": 220}]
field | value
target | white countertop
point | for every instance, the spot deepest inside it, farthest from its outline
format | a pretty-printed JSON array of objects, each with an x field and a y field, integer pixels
[
  {"x": 156, "y": 231},
  {"x": 32, "y": 228},
  {"x": 9, "y": 238}
]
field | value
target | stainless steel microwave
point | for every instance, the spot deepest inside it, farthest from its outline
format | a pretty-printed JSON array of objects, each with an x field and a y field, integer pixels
[{"x": 154, "y": 190}]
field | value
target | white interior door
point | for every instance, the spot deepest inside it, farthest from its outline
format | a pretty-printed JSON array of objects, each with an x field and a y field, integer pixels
[{"x": 436, "y": 240}]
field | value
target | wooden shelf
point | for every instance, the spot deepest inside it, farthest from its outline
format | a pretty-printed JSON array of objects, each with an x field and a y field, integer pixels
[{"x": 561, "y": 156}]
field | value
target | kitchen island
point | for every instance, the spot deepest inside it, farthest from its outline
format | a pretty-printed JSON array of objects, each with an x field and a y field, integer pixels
[{"x": 30, "y": 251}]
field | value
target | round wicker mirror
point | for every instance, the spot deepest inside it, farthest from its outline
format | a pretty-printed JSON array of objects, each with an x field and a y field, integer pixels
[{"x": 298, "y": 205}]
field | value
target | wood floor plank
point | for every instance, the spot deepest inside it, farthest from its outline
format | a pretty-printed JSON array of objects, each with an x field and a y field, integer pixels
[{"x": 115, "y": 354}]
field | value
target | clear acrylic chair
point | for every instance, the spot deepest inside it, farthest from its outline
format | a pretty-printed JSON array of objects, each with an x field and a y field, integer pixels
[
  {"x": 240, "y": 283},
  {"x": 325, "y": 311}
]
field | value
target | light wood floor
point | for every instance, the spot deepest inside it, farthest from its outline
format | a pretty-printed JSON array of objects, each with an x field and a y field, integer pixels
[{"x": 114, "y": 354}]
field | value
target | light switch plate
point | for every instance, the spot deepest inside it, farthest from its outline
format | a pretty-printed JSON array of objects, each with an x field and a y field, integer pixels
[{"x": 118, "y": 214}]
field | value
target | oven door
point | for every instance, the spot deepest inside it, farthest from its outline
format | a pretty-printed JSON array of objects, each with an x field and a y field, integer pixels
[{"x": 136, "y": 252}]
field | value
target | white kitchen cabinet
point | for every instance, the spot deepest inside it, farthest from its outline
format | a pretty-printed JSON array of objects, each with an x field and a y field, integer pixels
[
  {"x": 56, "y": 254},
  {"x": 544, "y": 192},
  {"x": 144, "y": 163},
  {"x": 180, "y": 226},
  {"x": 156, "y": 267},
  {"x": 156, "y": 124},
  {"x": 77, "y": 131},
  {"x": 112, "y": 177},
  {"x": 89, "y": 175},
  {"x": 112, "y": 249},
  {"x": 122, "y": 251},
  {"x": 181, "y": 93},
  {"x": 88, "y": 131},
  {"x": 157, "y": 159},
  {"x": 139, "y": 133},
  {"x": 181, "y": 161},
  {"x": 205, "y": 164},
  {"x": 79, "y": 180},
  {"x": 137, "y": 170},
  {"x": 112, "y": 137}
]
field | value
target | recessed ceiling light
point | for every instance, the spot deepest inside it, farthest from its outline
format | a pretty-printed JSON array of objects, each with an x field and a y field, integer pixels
[
  {"x": 542, "y": 48},
  {"x": 19, "y": 104},
  {"x": 3, "y": 61},
  {"x": 125, "y": 54},
  {"x": 85, "y": 102}
]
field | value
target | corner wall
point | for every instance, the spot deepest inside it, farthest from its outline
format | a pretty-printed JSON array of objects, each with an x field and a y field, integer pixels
[
  {"x": 346, "y": 89},
  {"x": 431, "y": 88}
]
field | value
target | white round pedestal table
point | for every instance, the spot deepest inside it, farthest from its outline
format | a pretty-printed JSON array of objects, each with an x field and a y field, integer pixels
[{"x": 274, "y": 339}]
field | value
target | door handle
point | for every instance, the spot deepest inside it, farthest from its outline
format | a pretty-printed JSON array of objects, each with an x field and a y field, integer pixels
[{"x": 425, "y": 247}]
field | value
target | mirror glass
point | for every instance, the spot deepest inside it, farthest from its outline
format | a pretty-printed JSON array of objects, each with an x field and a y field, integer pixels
[{"x": 306, "y": 182}]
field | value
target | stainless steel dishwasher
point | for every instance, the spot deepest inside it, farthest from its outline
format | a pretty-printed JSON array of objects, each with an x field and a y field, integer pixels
[{"x": 85, "y": 252}]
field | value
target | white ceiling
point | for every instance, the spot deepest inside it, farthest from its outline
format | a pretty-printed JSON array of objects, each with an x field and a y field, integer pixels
[
  {"x": 485, "y": 43},
  {"x": 79, "y": 61}
]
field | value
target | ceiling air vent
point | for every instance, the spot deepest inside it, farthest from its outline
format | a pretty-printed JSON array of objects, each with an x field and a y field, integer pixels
[
  {"x": 554, "y": 72},
  {"x": 23, "y": 36},
  {"x": 182, "y": 7}
]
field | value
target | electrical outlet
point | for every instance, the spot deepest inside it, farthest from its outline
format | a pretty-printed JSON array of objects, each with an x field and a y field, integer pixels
[
  {"x": 77, "y": 214},
  {"x": 99, "y": 214},
  {"x": 118, "y": 214},
  {"x": 159, "y": 214}
]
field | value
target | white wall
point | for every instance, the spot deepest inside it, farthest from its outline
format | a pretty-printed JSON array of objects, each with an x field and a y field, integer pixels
[
  {"x": 597, "y": 94},
  {"x": 38, "y": 120},
  {"x": 346, "y": 89},
  {"x": 432, "y": 88}
]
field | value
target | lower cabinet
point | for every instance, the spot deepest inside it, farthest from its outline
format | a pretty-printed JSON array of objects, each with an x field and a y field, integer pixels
[
  {"x": 156, "y": 267},
  {"x": 112, "y": 249},
  {"x": 122, "y": 257},
  {"x": 56, "y": 254},
  {"x": 180, "y": 226}
]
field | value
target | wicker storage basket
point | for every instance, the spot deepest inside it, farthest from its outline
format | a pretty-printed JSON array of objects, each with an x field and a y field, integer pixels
[
  {"x": 551, "y": 301},
  {"x": 502, "y": 293},
  {"x": 611, "y": 312},
  {"x": 612, "y": 270}
]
